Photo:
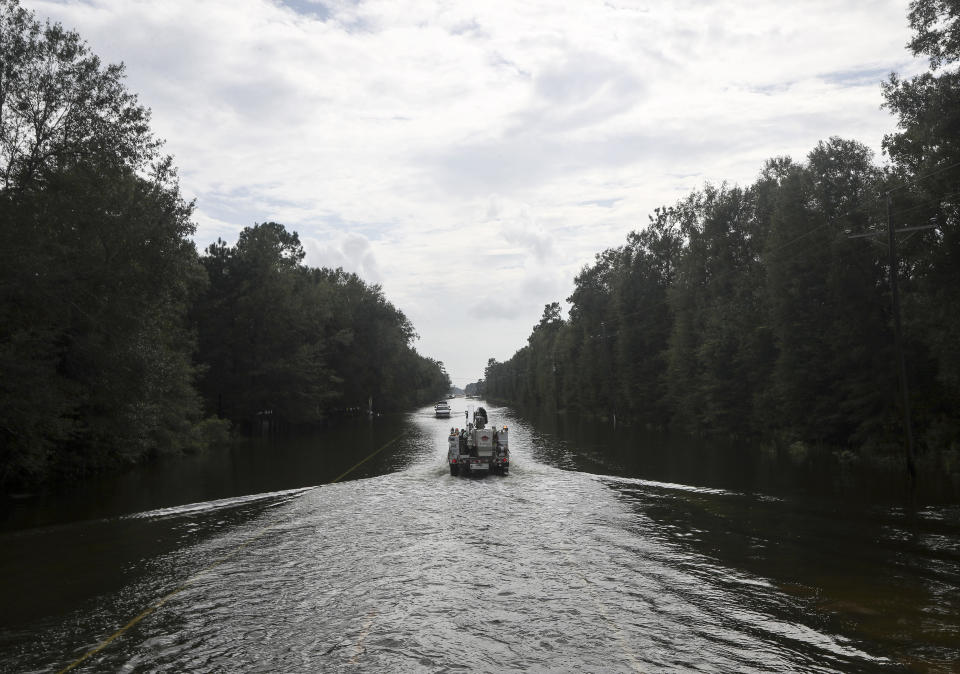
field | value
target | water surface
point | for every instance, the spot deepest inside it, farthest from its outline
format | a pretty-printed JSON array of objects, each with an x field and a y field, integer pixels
[{"x": 597, "y": 553}]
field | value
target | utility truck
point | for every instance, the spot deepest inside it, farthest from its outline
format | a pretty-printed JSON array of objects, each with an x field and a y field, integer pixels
[{"x": 478, "y": 449}]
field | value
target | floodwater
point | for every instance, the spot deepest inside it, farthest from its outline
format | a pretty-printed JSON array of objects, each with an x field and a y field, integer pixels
[{"x": 602, "y": 550}]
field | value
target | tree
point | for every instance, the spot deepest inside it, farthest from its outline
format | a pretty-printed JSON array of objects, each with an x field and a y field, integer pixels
[
  {"x": 262, "y": 330},
  {"x": 96, "y": 266},
  {"x": 59, "y": 106},
  {"x": 926, "y": 153},
  {"x": 285, "y": 341},
  {"x": 714, "y": 373},
  {"x": 641, "y": 317},
  {"x": 937, "y": 26},
  {"x": 751, "y": 310},
  {"x": 828, "y": 308}
]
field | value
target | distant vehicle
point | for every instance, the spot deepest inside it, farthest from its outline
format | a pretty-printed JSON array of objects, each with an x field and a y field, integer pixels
[
  {"x": 478, "y": 450},
  {"x": 442, "y": 410}
]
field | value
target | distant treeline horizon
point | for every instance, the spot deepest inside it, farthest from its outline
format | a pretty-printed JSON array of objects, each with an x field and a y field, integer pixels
[
  {"x": 754, "y": 312},
  {"x": 118, "y": 341}
]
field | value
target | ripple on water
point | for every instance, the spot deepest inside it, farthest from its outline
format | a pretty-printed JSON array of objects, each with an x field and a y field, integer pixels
[
  {"x": 545, "y": 569},
  {"x": 417, "y": 571}
]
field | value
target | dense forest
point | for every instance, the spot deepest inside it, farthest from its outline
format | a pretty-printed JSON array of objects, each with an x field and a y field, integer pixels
[
  {"x": 118, "y": 342},
  {"x": 765, "y": 311}
]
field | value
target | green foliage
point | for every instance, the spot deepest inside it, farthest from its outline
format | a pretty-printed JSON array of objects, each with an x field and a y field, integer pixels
[
  {"x": 106, "y": 311},
  {"x": 751, "y": 312},
  {"x": 59, "y": 106},
  {"x": 829, "y": 308},
  {"x": 937, "y": 30},
  {"x": 296, "y": 344},
  {"x": 98, "y": 277},
  {"x": 210, "y": 432},
  {"x": 97, "y": 270},
  {"x": 926, "y": 150}
]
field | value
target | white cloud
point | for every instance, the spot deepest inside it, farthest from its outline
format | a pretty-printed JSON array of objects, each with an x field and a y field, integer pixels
[
  {"x": 472, "y": 157},
  {"x": 351, "y": 251}
]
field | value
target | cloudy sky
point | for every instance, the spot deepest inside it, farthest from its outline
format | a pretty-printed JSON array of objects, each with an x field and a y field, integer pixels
[{"x": 472, "y": 157}]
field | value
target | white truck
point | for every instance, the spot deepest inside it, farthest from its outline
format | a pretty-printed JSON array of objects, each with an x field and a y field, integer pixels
[{"x": 477, "y": 449}]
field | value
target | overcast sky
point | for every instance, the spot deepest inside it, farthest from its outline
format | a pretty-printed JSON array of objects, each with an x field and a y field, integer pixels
[{"x": 472, "y": 157}]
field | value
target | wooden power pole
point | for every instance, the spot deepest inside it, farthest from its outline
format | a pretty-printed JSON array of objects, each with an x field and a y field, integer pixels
[{"x": 897, "y": 329}]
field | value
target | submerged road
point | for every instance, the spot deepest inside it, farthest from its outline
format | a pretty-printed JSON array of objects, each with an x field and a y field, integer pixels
[{"x": 547, "y": 569}]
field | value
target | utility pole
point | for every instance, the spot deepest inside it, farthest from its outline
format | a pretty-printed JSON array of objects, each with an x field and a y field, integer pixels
[
  {"x": 556, "y": 383},
  {"x": 608, "y": 353},
  {"x": 898, "y": 341},
  {"x": 897, "y": 329}
]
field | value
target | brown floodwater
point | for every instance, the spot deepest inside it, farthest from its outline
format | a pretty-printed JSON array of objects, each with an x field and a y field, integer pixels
[{"x": 603, "y": 550}]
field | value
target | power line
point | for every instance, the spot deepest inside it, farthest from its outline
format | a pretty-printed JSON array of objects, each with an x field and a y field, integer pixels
[
  {"x": 864, "y": 205},
  {"x": 916, "y": 179},
  {"x": 935, "y": 200}
]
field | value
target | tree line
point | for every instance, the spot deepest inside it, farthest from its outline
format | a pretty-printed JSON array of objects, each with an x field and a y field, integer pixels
[
  {"x": 754, "y": 312},
  {"x": 118, "y": 341}
]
